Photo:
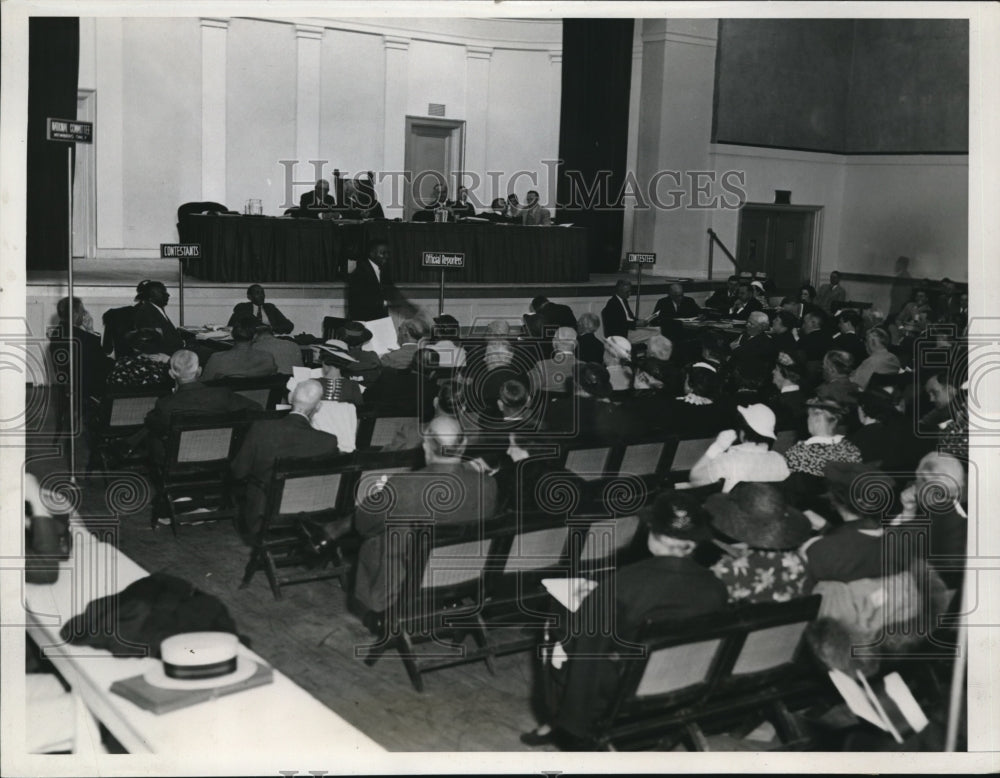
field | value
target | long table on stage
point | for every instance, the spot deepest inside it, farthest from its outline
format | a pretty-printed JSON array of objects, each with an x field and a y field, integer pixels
[{"x": 263, "y": 249}]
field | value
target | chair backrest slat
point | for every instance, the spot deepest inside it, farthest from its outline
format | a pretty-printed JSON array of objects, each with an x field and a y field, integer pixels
[
  {"x": 204, "y": 445},
  {"x": 536, "y": 549},
  {"x": 642, "y": 458},
  {"x": 688, "y": 453},
  {"x": 605, "y": 538},
  {"x": 259, "y": 396},
  {"x": 455, "y": 564},
  {"x": 309, "y": 494},
  {"x": 385, "y": 428},
  {"x": 130, "y": 411},
  {"x": 769, "y": 648},
  {"x": 677, "y": 667},
  {"x": 590, "y": 464}
]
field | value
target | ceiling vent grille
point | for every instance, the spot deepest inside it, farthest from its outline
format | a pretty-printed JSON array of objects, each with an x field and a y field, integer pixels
[{"x": 435, "y": 109}]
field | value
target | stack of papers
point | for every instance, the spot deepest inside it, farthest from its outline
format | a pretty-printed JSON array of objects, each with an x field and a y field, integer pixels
[{"x": 569, "y": 592}]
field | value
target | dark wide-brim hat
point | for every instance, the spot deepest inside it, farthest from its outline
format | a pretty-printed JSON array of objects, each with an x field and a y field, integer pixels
[
  {"x": 862, "y": 487},
  {"x": 677, "y": 515},
  {"x": 827, "y": 404},
  {"x": 594, "y": 379},
  {"x": 354, "y": 334},
  {"x": 757, "y": 514}
]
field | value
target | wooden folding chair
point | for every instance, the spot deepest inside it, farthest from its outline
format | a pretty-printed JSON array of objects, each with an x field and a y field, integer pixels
[
  {"x": 374, "y": 432},
  {"x": 687, "y": 455},
  {"x": 120, "y": 415},
  {"x": 266, "y": 391},
  {"x": 314, "y": 490},
  {"x": 441, "y": 599},
  {"x": 193, "y": 478}
]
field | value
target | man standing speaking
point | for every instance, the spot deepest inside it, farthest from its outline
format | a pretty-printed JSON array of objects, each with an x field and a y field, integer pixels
[{"x": 370, "y": 290}]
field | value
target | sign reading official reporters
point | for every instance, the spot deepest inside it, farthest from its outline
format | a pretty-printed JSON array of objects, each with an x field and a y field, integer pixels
[
  {"x": 640, "y": 259},
  {"x": 180, "y": 251},
  {"x": 441, "y": 261}
]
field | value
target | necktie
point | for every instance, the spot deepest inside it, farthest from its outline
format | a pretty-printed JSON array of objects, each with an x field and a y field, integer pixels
[{"x": 259, "y": 314}]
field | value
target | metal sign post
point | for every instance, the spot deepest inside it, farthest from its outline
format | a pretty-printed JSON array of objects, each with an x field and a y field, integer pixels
[
  {"x": 633, "y": 258},
  {"x": 73, "y": 132},
  {"x": 442, "y": 261},
  {"x": 181, "y": 252}
]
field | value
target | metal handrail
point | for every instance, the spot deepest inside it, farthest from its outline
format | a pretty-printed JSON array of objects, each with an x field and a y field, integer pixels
[{"x": 713, "y": 238}]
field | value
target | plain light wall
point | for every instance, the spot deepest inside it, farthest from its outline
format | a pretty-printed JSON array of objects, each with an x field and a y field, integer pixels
[
  {"x": 148, "y": 78},
  {"x": 874, "y": 208}
]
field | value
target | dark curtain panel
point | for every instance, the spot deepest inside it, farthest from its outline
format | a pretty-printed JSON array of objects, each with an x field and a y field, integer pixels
[
  {"x": 593, "y": 132},
  {"x": 53, "y": 64}
]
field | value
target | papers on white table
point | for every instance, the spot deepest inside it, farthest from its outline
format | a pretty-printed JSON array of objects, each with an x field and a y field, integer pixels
[
  {"x": 384, "y": 337},
  {"x": 570, "y": 592}
]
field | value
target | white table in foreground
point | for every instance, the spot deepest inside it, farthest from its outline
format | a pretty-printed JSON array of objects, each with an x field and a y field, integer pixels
[{"x": 279, "y": 717}]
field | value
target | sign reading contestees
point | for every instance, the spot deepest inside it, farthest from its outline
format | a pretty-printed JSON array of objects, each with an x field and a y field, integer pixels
[
  {"x": 180, "y": 251},
  {"x": 69, "y": 130},
  {"x": 633, "y": 258},
  {"x": 441, "y": 260}
]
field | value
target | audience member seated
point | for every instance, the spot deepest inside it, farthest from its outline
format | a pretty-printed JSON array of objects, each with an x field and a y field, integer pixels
[
  {"x": 745, "y": 303},
  {"x": 790, "y": 404},
  {"x": 263, "y": 312},
  {"x": 617, "y": 316},
  {"x": 92, "y": 365},
  {"x": 782, "y": 331},
  {"x": 658, "y": 364},
  {"x": 381, "y": 562},
  {"x": 814, "y": 341},
  {"x": 270, "y": 440},
  {"x": 618, "y": 361},
  {"x": 366, "y": 367},
  {"x": 837, "y": 383},
  {"x": 150, "y": 313},
  {"x": 670, "y": 583},
  {"x": 754, "y": 345},
  {"x": 147, "y": 368},
  {"x": 744, "y": 453},
  {"x": 879, "y": 360},
  {"x": 937, "y": 496},
  {"x": 847, "y": 337},
  {"x": 761, "y": 535},
  {"x": 286, "y": 353},
  {"x": 696, "y": 413},
  {"x": 722, "y": 300},
  {"x": 913, "y": 319},
  {"x": 242, "y": 360},
  {"x": 942, "y": 391},
  {"x": 802, "y": 304},
  {"x": 462, "y": 208},
  {"x": 832, "y": 294},
  {"x": 885, "y": 434},
  {"x": 759, "y": 294},
  {"x": 546, "y": 317},
  {"x": 555, "y": 373},
  {"x": 498, "y": 366},
  {"x": 851, "y": 548},
  {"x": 361, "y": 199},
  {"x": 190, "y": 396},
  {"x": 590, "y": 348},
  {"x": 447, "y": 402},
  {"x": 409, "y": 333},
  {"x": 589, "y": 412},
  {"x": 336, "y": 412},
  {"x": 811, "y": 455}
]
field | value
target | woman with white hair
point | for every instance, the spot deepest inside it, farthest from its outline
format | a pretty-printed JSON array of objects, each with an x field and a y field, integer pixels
[
  {"x": 590, "y": 348},
  {"x": 618, "y": 361}
]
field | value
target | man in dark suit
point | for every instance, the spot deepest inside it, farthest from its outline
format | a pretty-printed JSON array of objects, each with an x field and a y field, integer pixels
[
  {"x": 546, "y": 317},
  {"x": 380, "y": 572},
  {"x": 670, "y": 583},
  {"x": 264, "y": 312},
  {"x": 676, "y": 305},
  {"x": 754, "y": 345},
  {"x": 318, "y": 197},
  {"x": 722, "y": 300},
  {"x": 745, "y": 303},
  {"x": 150, "y": 313},
  {"x": 242, "y": 360},
  {"x": 370, "y": 290},
  {"x": 273, "y": 439},
  {"x": 847, "y": 338},
  {"x": 617, "y": 316}
]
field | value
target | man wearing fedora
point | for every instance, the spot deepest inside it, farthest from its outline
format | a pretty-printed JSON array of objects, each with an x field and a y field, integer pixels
[
  {"x": 762, "y": 534},
  {"x": 744, "y": 453},
  {"x": 670, "y": 583}
]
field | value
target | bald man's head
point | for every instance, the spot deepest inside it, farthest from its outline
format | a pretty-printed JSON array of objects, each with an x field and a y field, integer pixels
[
  {"x": 184, "y": 366},
  {"x": 757, "y": 322},
  {"x": 306, "y": 396},
  {"x": 444, "y": 439}
]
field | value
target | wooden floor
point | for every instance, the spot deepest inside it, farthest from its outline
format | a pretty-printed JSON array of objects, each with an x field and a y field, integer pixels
[{"x": 461, "y": 708}]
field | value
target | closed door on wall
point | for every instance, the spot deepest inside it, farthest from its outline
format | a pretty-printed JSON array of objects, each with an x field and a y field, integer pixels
[
  {"x": 778, "y": 240},
  {"x": 433, "y": 155}
]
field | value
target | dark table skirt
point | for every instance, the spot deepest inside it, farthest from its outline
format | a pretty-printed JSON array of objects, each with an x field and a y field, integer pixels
[{"x": 261, "y": 249}]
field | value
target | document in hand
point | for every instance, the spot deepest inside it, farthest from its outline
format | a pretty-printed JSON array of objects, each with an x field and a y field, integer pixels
[
  {"x": 570, "y": 592},
  {"x": 383, "y": 336},
  {"x": 890, "y": 706}
]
